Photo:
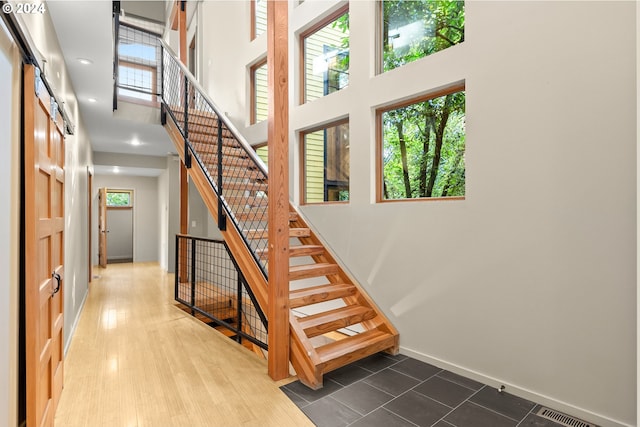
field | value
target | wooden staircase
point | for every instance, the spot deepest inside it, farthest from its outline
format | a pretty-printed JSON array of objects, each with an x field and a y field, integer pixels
[{"x": 323, "y": 298}]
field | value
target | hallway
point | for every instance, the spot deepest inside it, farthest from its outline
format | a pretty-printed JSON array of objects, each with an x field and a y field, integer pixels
[{"x": 136, "y": 360}]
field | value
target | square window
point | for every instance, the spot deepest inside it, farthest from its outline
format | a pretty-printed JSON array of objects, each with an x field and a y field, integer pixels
[
  {"x": 326, "y": 164},
  {"x": 422, "y": 148},
  {"x": 326, "y": 57},
  {"x": 411, "y": 30}
]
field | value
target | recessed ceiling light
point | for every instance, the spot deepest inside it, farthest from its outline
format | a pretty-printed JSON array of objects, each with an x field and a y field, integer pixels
[
  {"x": 92, "y": 100},
  {"x": 85, "y": 61},
  {"x": 135, "y": 142},
  {"x": 116, "y": 169}
]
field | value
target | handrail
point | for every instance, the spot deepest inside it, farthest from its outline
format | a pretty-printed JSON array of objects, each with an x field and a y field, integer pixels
[
  {"x": 238, "y": 136},
  {"x": 198, "y": 119}
]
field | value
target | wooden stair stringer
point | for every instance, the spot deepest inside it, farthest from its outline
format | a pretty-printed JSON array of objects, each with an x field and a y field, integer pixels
[
  {"x": 249, "y": 267},
  {"x": 303, "y": 356},
  {"x": 380, "y": 322}
]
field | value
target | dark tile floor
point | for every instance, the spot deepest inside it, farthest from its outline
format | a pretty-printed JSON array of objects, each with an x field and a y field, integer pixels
[{"x": 385, "y": 391}]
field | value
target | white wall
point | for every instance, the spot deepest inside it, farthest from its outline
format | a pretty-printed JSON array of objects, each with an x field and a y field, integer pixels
[
  {"x": 169, "y": 211},
  {"x": 530, "y": 281},
  {"x": 146, "y": 217},
  {"x": 9, "y": 225}
]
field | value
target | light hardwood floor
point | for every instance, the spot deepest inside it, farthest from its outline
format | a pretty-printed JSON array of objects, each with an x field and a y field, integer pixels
[{"x": 137, "y": 361}]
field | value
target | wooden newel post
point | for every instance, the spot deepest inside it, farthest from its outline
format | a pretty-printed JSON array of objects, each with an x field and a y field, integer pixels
[
  {"x": 184, "y": 180},
  {"x": 278, "y": 77}
]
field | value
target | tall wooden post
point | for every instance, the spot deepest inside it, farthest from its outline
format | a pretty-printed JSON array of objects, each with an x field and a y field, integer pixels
[
  {"x": 278, "y": 143},
  {"x": 184, "y": 182}
]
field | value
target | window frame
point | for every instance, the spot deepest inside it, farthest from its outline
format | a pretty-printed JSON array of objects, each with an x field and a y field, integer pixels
[
  {"x": 153, "y": 89},
  {"x": 379, "y": 34},
  {"x": 123, "y": 191},
  {"x": 437, "y": 93},
  {"x": 254, "y": 21},
  {"x": 301, "y": 41},
  {"x": 254, "y": 93},
  {"x": 303, "y": 168}
]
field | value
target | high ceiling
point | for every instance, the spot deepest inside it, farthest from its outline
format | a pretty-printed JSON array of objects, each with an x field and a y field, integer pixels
[{"x": 85, "y": 31}]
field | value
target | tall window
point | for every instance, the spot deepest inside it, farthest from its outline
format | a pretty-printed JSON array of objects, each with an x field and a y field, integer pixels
[
  {"x": 422, "y": 148},
  {"x": 259, "y": 17},
  {"x": 414, "y": 29},
  {"x": 326, "y": 164},
  {"x": 139, "y": 58},
  {"x": 259, "y": 89},
  {"x": 326, "y": 57}
]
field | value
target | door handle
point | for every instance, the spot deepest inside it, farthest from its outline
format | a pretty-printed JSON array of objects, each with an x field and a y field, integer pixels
[{"x": 58, "y": 279}]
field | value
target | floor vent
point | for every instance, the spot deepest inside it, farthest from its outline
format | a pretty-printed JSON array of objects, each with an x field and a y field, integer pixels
[{"x": 560, "y": 418}]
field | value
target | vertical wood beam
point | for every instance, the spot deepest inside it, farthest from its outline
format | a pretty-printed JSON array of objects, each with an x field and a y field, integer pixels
[
  {"x": 184, "y": 181},
  {"x": 278, "y": 142}
]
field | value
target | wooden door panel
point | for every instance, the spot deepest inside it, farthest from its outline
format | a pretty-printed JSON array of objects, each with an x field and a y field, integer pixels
[{"x": 44, "y": 247}]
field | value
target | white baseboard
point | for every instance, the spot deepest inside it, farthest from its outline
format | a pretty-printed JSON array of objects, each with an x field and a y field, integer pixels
[
  {"x": 75, "y": 323},
  {"x": 544, "y": 400}
]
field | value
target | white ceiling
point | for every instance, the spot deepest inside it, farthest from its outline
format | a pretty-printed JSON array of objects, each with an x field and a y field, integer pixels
[{"x": 84, "y": 30}]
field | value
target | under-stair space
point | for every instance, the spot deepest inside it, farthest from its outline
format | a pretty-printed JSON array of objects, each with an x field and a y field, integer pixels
[
  {"x": 332, "y": 320},
  {"x": 209, "y": 286}
]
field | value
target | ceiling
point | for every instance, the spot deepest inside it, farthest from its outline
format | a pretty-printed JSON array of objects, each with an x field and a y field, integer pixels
[{"x": 84, "y": 30}]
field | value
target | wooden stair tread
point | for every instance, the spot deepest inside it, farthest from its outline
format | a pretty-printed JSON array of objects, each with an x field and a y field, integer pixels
[
  {"x": 306, "y": 271},
  {"x": 261, "y": 233},
  {"x": 211, "y": 148},
  {"x": 316, "y": 294},
  {"x": 318, "y": 324},
  {"x": 296, "y": 251},
  {"x": 340, "y": 353},
  {"x": 246, "y": 201}
]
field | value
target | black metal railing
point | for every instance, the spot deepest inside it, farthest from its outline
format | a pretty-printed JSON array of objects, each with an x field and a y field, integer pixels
[
  {"x": 209, "y": 282},
  {"x": 236, "y": 174}
]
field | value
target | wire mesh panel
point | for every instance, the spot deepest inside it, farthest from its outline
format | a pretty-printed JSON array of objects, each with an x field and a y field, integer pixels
[
  {"x": 139, "y": 63},
  {"x": 209, "y": 282},
  {"x": 233, "y": 169}
]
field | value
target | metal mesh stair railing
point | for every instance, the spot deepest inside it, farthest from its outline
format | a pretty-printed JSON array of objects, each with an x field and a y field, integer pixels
[{"x": 236, "y": 174}]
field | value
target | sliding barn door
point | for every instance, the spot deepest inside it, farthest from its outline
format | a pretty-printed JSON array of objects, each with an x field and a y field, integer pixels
[{"x": 44, "y": 250}]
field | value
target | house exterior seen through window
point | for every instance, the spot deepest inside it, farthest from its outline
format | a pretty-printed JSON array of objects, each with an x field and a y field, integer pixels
[
  {"x": 326, "y": 58},
  {"x": 326, "y": 164}
]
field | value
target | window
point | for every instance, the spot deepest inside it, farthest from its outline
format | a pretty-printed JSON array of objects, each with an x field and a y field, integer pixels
[
  {"x": 259, "y": 89},
  {"x": 139, "y": 58},
  {"x": 326, "y": 164},
  {"x": 414, "y": 29},
  {"x": 119, "y": 198},
  {"x": 422, "y": 148},
  {"x": 139, "y": 78},
  {"x": 259, "y": 17},
  {"x": 326, "y": 57}
]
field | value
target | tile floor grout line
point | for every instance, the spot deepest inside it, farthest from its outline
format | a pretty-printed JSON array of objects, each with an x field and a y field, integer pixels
[
  {"x": 410, "y": 376},
  {"x": 391, "y": 412},
  {"x": 495, "y": 412},
  {"x": 525, "y": 417},
  {"x": 451, "y": 381},
  {"x": 459, "y": 405}
]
